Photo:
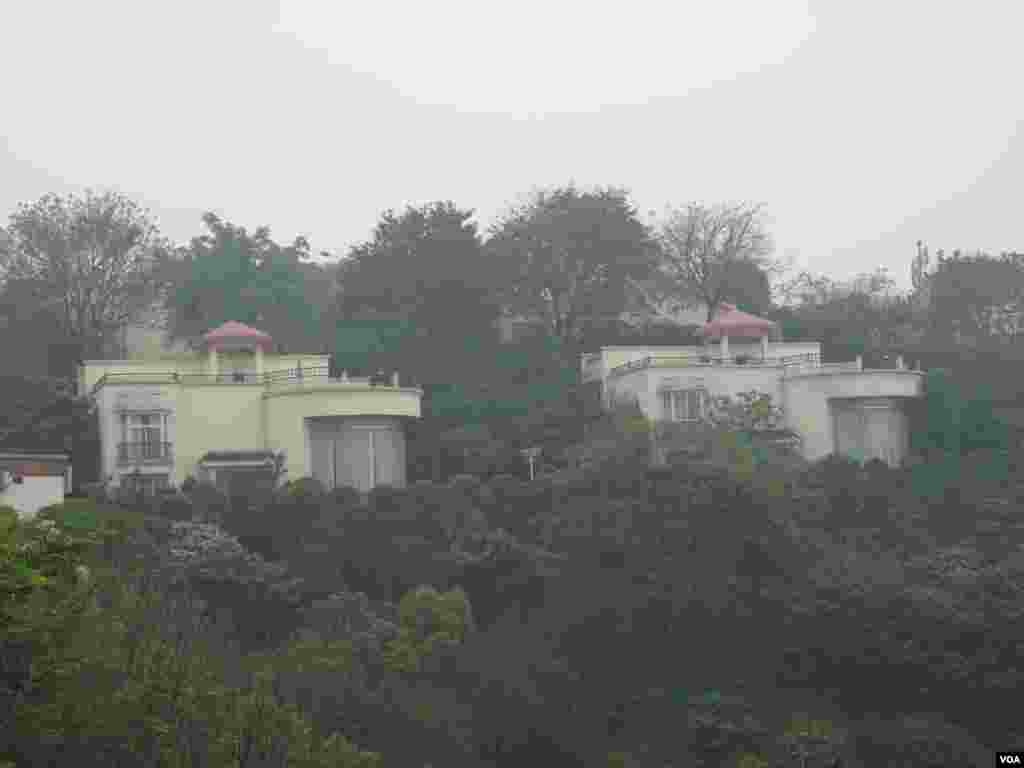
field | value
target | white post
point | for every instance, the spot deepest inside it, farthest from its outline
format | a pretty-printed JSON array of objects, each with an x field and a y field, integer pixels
[
  {"x": 899, "y": 362},
  {"x": 860, "y": 362},
  {"x": 373, "y": 463},
  {"x": 394, "y": 379},
  {"x": 764, "y": 347},
  {"x": 724, "y": 346},
  {"x": 344, "y": 375},
  {"x": 212, "y": 362},
  {"x": 259, "y": 361}
]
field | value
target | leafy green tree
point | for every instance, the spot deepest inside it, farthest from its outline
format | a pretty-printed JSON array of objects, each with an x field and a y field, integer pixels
[
  {"x": 416, "y": 296},
  {"x": 565, "y": 258},
  {"x": 91, "y": 261},
  {"x": 976, "y": 299},
  {"x": 230, "y": 273}
]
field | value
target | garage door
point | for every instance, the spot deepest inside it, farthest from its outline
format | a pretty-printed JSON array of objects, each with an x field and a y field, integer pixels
[
  {"x": 352, "y": 457},
  {"x": 321, "y": 451},
  {"x": 389, "y": 456},
  {"x": 871, "y": 430},
  {"x": 850, "y": 431},
  {"x": 359, "y": 455}
]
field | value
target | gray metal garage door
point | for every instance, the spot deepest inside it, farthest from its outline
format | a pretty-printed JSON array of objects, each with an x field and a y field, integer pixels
[
  {"x": 360, "y": 455},
  {"x": 870, "y": 429}
]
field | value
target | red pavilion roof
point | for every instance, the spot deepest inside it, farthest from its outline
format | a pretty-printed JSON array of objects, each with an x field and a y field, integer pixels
[
  {"x": 235, "y": 331},
  {"x": 729, "y": 321}
]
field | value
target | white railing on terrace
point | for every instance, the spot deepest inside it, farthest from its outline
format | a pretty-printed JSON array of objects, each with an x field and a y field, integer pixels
[
  {"x": 791, "y": 365},
  {"x": 809, "y": 360},
  {"x": 291, "y": 377},
  {"x": 800, "y": 368}
]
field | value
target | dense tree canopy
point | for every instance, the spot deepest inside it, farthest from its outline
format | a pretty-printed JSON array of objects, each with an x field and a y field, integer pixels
[
  {"x": 416, "y": 296},
  {"x": 977, "y": 298},
  {"x": 232, "y": 274},
  {"x": 566, "y": 256},
  {"x": 90, "y": 262}
]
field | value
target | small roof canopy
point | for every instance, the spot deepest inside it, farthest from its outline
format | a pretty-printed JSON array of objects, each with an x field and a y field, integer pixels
[
  {"x": 732, "y": 322},
  {"x": 238, "y": 457},
  {"x": 232, "y": 333}
]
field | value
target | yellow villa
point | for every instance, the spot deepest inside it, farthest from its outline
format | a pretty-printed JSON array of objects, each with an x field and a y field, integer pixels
[{"x": 229, "y": 407}]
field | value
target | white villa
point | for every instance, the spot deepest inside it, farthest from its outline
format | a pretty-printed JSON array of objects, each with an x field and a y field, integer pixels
[{"x": 833, "y": 407}]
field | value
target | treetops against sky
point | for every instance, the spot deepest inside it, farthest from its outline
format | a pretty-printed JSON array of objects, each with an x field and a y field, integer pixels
[{"x": 850, "y": 153}]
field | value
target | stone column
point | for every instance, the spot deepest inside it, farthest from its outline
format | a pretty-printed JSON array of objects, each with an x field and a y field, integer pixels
[
  {"x": 394, "y": 379},
  {"x": 212, "y": 362},
  {"x": 764, "y": 347},
  {"x": 724, "y": 346},
  {"x": 860, "y": 362}
]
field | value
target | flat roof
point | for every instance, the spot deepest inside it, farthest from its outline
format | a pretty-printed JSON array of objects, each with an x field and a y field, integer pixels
[{"x": 33, "y": 456}]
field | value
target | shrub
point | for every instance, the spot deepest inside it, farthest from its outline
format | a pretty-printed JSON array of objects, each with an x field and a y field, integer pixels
[
  {"x": 389, "y": 503},
  {"x": 143, "y": 668},
  {"x": 428, "y": 621},
  {"x": 209, "y": 504},
  {"x": 345, "y": 496},
  {"x": 305, "y": 487},
  {"x": 176, "y": 507},
  {"x": 96, "y": 491}
]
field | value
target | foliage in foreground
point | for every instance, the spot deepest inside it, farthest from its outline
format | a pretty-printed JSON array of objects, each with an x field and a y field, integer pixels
[{"x": 115, "y": 671}]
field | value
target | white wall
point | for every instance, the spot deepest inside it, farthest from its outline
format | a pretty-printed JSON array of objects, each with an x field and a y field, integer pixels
[
  {"x": 719, "y": 381},
  {"x": 32, "y": 494},
  {"x": 806, "y": 399}
]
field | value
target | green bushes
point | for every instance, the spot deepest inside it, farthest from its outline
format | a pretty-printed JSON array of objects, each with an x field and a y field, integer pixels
[
  {"x": 176, "y": 507},
  {"x": 129, "y": 693},
  {"x": 209, "y": 504}
]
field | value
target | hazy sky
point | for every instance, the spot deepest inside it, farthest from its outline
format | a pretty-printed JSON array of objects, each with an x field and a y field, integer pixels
[{"x": 862, "y": 126}]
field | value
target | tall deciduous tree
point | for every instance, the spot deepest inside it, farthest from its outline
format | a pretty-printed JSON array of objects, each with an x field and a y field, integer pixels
[
  {"x": 91, "y": 261},
  {"x": 230, "y": 273},
  {"x": 702, "y": 248},
  {"x": 417, "y": 295},
  {"x": 566, "y": 257},
  {"x": 978, "y": 299}
]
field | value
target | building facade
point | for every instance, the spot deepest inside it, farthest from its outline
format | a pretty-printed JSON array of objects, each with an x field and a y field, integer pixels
[
  {"x": 833, "y": 407},
  {"x": 230, "y": 407},
  {"x": 31, "y": 481}
]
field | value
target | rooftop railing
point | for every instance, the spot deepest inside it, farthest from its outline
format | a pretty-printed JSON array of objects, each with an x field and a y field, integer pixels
[
  {"x": 288, "y": 377},
  {"x": 706, "y": 360}
]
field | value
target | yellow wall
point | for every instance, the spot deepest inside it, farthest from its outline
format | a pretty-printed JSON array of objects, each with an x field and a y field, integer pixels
[
  {"x": 286, "y": 410},
  {"x": 216, "y": 417},
  {"x": 211, "y": 416}
]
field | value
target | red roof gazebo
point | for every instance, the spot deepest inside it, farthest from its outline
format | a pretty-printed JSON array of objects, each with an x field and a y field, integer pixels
[
  {"x": 729, "y": 322},
  {"x": 234, "y": 334}
]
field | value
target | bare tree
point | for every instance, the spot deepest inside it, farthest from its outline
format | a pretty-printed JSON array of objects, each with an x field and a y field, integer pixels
[
  {"x": 92, "y": 260},
  {"x": 700, "y": 246}
]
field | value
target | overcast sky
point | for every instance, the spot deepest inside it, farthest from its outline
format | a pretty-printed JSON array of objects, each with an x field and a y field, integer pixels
[{"x": 861, "y": 126}]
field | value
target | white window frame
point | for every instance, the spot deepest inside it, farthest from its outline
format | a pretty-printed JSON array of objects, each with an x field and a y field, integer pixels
[
  {"x": 684, "y": 404},
  {"x": 144, "y": 423}
]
